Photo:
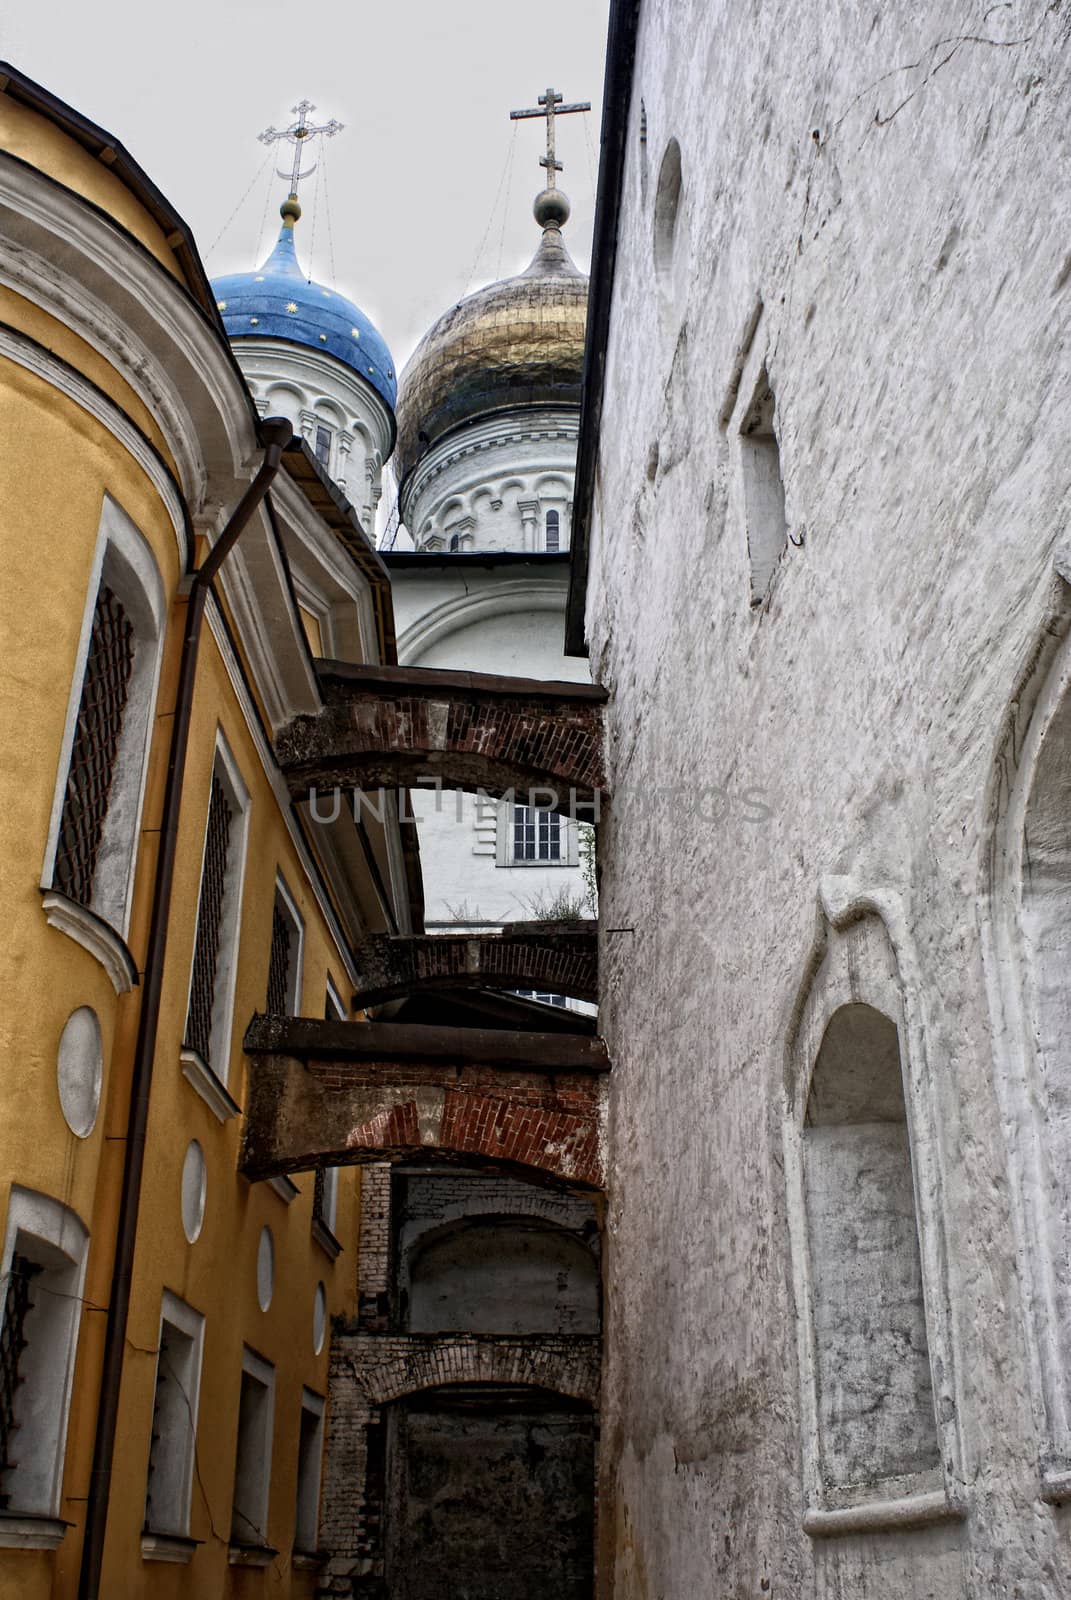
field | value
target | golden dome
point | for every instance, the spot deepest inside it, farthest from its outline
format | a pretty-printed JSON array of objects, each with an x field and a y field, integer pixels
[{"x": 517, "y": 342}]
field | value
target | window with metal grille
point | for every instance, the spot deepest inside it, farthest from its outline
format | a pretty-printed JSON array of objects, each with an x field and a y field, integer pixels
[
  {"x": 553, "y": 531},
  {"x": 97, "y": 731},
  {"x": 284, "y": 957},
  {"x": 17, "y": 1304},
  {"x": 323, "y": 446},
  {"x": 282, "y": 934},
  {"x": 319, "y": 1197},
  {"x": 537, "y": 835},
  {"x": 206, "y": 953}
]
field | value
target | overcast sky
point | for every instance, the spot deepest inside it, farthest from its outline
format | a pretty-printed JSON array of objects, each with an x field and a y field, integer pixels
[{"x": 425, "y": 199}]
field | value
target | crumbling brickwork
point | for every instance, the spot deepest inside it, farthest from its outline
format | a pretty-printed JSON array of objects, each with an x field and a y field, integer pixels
[
  {"x": 559, "y": 958},
  {"x": 345, "y": 1103},
  {"x": 391, "y": 727}
]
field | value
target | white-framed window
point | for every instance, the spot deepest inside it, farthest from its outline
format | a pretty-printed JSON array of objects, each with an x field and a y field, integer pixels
[
  {"x": 174, "y": 1418},
  {"x": 96, "y": 811},
  {"x": 310, "y": 1461},
  {"x": 210, "y": 1005},
  {"x": 252, "y": 1465},
  {"x": 553, "y": 532},
  {"x": 325, "y": 1182},
  {"x": 537, "y": 835},
  {"x": 322, "y": 440},
  {"x": 44, "y": 1263},
  {"x": 531, "y": 836},
  {"x": 334, "y": 1008},
  {"x": 285, "y": 954}
]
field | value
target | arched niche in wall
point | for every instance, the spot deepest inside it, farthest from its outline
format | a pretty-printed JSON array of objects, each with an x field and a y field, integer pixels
[
  {"x": 285, "y": 401},
  {"x": 1027, "y": 944},
  {"x": 878, "y": 1410},
  {"x": 667, "y": 241},
  {"x": 501, "y": 1275}
]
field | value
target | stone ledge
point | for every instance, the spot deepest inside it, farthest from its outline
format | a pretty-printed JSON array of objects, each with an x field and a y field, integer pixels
[
  {"x": 23, "y": 1530},
  {"x": 876, "y": 1516},
  {"x": 94, "y": 935},
  {"x": 176, "y": 1548},
  {"x": 203, "y": 1081}
]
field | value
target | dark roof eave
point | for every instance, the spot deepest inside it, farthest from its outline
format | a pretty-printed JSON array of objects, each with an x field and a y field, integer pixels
[
  {"x": 100, "y": 144},
  {"x": 325, "y": 497},
  {"x": 617, "y": 101},
  {"x": 466, "y": 560}
]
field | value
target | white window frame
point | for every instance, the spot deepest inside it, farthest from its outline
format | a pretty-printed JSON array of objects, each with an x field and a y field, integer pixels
[
  {"x": 570, "y": 840},
  {"x": 262, "y": 1372},
  {"x": 49, "y": 1233},
  {"x": 226, "y": 768},
  {"x": 309, "y": 1474},
  {"x": 123, "y": 559},
  {"x": 297, "y": 949},
  {"x": 185, "y": 1320}
]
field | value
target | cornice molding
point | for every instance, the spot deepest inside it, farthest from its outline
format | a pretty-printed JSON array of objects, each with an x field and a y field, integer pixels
[
  {"x": 85, "y": 245},
  {"x": 27, "y": 353},
  {"x": 40, "y": 281},
  {"x": 94, "y": 935}
]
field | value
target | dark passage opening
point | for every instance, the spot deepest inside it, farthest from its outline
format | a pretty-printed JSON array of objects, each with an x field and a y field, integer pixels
[{"x": 491, "y": 1496}]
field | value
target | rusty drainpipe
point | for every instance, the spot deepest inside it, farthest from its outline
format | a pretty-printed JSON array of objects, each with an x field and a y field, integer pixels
[{"x": 276, "y": 433}]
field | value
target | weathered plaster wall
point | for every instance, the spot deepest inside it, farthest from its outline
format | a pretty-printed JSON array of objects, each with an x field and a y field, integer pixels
[{"x": 867, "y": 209}]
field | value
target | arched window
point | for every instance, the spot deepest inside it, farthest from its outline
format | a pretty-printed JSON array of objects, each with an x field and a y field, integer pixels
[
  {"x": 874, "y": 1397},
  {"x": 502, "y": 1275},
  {"x": 44, "y": 1264},
  {"x": 553, "y": 531},
  {"x": 97, "y": 807}
]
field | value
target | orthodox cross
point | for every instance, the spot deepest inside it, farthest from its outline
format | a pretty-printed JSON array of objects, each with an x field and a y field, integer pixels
[
  {"x": 550, "y": 106},
  {"x": 296, "y": 135}
]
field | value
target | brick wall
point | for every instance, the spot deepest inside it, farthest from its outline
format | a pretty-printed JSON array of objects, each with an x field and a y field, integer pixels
[
  {"x": 386, "y": 728},
  {"x": 560, "y": 959}
]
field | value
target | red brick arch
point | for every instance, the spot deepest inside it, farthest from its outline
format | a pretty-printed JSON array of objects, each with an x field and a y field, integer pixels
[
  {"x": 560, "y": 958},
  {"x": 394, "y": 727},
  {"x": 347, "y": 1093}
]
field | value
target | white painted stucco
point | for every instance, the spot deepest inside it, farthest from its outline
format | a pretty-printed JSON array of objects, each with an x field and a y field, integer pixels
[{"x": 871, "y": 207}]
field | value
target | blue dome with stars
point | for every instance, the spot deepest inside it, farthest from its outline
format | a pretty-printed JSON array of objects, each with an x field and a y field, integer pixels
[{"x": 279, "y": 302}]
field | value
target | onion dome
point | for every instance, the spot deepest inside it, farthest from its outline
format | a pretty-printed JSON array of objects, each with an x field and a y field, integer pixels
[
  {"x": 279, "y": 302},
  {"x": 516, "y": 342}
]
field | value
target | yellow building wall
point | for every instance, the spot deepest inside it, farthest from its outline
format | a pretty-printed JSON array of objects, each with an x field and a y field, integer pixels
[
  {"x": 58, "y": 464},
  {"x": 20, "y": 313}
]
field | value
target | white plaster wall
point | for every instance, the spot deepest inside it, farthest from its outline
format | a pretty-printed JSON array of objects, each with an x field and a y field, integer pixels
[
  {"x": 913, "y": 271},
  {"x": 508, "y": 620}
]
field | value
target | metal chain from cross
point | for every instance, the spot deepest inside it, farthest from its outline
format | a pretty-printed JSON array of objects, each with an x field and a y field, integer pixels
[
  {"x": 296, "y": 135},
  {"x": 550, "y": 106}
]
